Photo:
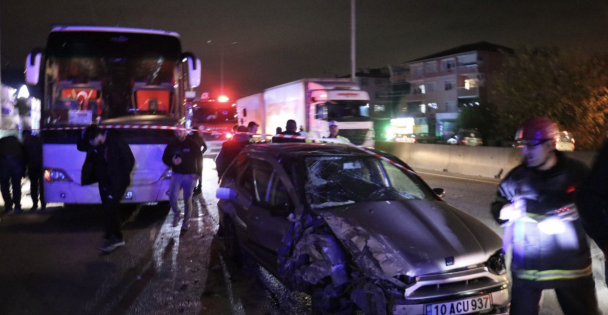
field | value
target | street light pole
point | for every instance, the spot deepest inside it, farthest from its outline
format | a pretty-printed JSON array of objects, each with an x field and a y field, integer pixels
[
  {"x": 353, "y": 45},
  {"x": 221, "y": 63}
]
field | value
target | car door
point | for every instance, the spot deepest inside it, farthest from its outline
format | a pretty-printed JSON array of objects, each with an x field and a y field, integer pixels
[{"x": 271, "y": 204}]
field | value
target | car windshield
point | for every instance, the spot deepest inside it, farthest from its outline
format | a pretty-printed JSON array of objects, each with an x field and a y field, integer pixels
[{"x": 341, "y": 180}]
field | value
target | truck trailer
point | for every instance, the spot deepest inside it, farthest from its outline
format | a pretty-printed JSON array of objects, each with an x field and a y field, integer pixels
[{"x": 312, "y": 103}]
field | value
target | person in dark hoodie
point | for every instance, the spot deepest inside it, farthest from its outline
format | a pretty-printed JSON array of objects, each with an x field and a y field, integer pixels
[
  {"x": 11, "y": 171},
  {"x": 184, "y": 157},
  {"x": 291, "y": 129},
  {"x": 230, "y": 149},
  {"x": 109, "y": 163}
]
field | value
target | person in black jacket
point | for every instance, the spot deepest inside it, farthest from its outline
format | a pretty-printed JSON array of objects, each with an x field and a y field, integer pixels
[
  {"x": 109, "y": 163},
  {"x": 184, "y": 157},
  {"x": 291, "y": 129},
  {"x": 535, "y": 204},
  {"x": 198, "y": 138},
  {"x": 592, "y": 202},
  {"x": 32, "y": 146},
  {"x": 11, "y": 171},
  {"x": 230, "y": 149}
]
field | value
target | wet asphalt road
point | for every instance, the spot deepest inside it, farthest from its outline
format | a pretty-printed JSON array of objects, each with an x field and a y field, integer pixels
[{"x": 49, "y": 263}]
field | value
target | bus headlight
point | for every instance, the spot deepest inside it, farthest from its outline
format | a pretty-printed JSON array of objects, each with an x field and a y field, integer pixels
[
  {"x": 167, "y": 174},
  {"x": 52, "y": 175}
]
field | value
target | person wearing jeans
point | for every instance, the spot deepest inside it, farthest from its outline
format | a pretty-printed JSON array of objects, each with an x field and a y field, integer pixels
[
  {"x": 179, "y": 183},
  {"x": 184, "y": 157}
]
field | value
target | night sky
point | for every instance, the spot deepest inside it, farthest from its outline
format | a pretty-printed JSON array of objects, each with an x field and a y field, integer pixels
[{"x": 284, "y": 40}]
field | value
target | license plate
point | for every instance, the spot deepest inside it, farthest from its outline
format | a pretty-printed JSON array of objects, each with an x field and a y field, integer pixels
[{"x": 466, "y": 306}]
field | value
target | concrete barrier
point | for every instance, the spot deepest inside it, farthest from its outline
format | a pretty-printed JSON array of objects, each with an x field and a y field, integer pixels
[{"x": 488, "y": 162}]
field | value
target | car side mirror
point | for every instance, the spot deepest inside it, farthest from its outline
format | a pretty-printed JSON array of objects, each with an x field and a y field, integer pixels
[
  {"x": 225, "y": 193},
  {"x": 32, "y": 67},
  {"x": 439, "y": 192},
  {"x": 194, "y": 69}
]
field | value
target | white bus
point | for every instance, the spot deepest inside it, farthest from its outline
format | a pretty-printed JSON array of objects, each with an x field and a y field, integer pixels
[{"x": 112, "y": 76}]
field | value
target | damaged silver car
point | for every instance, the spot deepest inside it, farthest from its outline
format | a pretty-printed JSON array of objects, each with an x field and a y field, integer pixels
[{"x": 358, "y": 233}]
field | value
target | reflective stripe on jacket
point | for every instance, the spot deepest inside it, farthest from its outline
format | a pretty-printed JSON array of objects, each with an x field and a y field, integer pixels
[{"x": 556, "y": 274}]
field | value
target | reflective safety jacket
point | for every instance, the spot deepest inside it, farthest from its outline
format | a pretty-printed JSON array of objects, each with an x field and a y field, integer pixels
[
  {"x": 344, "y": 139},
  {"x": 550, "y": 260}
]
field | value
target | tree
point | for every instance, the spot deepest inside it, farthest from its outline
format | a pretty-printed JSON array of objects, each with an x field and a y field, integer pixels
[{"x": 568, "y": 87}]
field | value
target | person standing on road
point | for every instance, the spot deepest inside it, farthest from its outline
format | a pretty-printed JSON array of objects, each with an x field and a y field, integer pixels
[
  {"x": 592, "y": 202},
  {"x": 535, "y": 204},
  {"x": 33, "y": 157},
  {"x": 11, "y": 171},
  {"x": 109, "y": 162},
  {"x": 291, "y": 129},
  {"x": 184, "y": 157},
  {"x": 230, "y": 149},
  {"x": 199, "y": 139},
  {"x": 333, "y": 132},
  {"x": 252, "y": 129}
]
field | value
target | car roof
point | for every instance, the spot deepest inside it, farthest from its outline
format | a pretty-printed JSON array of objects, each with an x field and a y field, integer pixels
[{"x": 298, "y": 149}]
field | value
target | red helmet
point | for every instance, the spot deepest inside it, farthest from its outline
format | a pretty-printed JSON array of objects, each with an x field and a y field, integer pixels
[{"x": 537, "y": 128}]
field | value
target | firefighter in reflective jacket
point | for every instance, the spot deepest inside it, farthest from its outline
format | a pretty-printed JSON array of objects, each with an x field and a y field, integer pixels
[{"x": 535, "y": 204}]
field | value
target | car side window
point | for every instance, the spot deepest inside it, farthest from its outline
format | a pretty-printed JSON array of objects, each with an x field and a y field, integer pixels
[
  {"x": 246, "y": 180},
  {"x": 279, "y": 197},
  {"x": 256, "y": 180}
]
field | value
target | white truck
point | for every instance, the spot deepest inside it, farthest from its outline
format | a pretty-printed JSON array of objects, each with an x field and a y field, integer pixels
[{"x": 312, "y": 103}]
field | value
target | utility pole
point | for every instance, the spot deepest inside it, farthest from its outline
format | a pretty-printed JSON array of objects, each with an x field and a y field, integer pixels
[
  {"x": 221, "y": 63},
  {"x": 353, "y": 29}
]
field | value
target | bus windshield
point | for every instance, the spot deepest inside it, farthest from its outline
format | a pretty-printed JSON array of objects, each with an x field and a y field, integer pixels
[{"x": 93, "y": 74}]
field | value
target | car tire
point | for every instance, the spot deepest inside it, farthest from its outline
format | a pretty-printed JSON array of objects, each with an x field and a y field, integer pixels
[{"x": 331, "y": 300}]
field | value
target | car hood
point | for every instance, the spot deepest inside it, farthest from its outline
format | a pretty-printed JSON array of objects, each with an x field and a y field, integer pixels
[{"x": 414, "y": 238}]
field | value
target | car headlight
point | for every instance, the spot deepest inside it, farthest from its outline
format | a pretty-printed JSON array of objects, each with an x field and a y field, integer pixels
[
  {"x": 496, "y": 263},
  {"x": 56, "y": 175},
  {"x": 408, "y": 280}
]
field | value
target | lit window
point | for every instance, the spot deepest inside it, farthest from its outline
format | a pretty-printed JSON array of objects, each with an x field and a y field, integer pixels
[{"x": 422, "y": 90}]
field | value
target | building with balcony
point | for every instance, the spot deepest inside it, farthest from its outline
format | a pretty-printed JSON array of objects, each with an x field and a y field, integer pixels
[{"x": 441, "y": 84}]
